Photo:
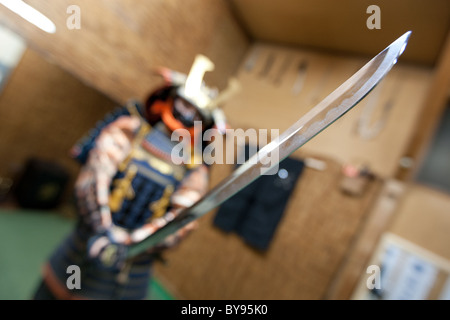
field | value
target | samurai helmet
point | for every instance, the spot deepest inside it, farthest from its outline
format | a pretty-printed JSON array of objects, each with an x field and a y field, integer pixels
[{"x": 193, "y": 89}]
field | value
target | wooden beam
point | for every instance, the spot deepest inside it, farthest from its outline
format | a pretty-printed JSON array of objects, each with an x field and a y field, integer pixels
[
  {"x": 432, "y": 111},
  {"x": 326, "y": 25},
  {"x": 354, "y": 266}
]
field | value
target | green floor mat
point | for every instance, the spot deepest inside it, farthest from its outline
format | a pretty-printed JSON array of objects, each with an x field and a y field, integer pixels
[{"x": 27, "y": 238}]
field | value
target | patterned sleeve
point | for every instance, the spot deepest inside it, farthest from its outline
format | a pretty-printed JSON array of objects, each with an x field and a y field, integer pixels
[
  {"x": 80, "y": 151},
  {"x": 110, "y": 148}
]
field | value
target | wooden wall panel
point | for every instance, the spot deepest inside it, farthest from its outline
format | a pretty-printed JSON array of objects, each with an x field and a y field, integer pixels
[
  {"x": 43, "y": 111},
  {"x": 120, "y": 41}
]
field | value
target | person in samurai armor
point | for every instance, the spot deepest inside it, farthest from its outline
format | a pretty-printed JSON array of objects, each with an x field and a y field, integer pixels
[{"x": 129, "y": 186}]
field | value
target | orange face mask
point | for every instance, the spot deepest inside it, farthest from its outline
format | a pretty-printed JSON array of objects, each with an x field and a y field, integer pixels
[{"x": 164, "y": 108}]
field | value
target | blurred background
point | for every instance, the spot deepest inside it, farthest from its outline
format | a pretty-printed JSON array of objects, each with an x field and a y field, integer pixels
[{"x": 375, "y": 188}]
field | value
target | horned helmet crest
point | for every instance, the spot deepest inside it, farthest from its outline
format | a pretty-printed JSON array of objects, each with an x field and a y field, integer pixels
[{"x": 193, "y": 89}]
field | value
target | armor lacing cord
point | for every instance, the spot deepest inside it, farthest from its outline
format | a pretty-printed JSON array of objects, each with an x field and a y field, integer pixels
[{"x": 123, "y": 275}]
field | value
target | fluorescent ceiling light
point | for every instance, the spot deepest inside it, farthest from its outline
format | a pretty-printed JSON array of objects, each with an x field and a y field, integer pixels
[{"x": 30, "y": 14}]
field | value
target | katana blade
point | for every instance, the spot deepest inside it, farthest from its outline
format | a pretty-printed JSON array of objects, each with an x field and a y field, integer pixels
[{"x": 334, "y": 106}]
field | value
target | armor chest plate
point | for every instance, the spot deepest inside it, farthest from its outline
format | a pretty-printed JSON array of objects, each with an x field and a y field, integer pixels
[{"x": 145, "y": 181}]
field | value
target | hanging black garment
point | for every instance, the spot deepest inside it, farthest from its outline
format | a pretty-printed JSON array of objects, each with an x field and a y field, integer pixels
[{"x": 255, "y": 212}]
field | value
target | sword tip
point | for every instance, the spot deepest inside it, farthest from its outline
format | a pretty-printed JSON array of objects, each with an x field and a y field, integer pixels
[{"x": 404, "y": 39}]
